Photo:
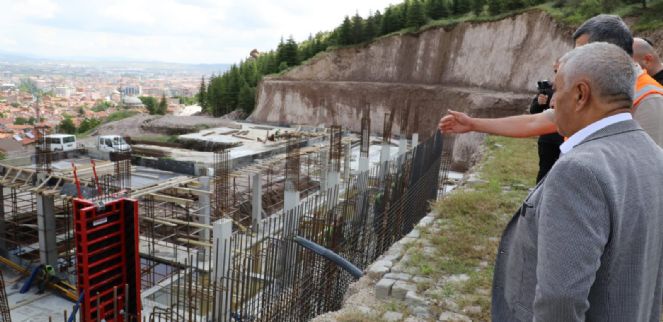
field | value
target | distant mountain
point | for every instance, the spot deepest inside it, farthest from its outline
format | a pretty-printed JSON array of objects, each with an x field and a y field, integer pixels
[{"x": 114, "y": 63}]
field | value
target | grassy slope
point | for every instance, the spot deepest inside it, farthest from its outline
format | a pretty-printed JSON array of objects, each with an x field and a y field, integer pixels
[{"x": 473, "y": 219}]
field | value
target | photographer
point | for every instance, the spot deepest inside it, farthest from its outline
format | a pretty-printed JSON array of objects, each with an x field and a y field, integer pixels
[{"x": 549, "y": 143}]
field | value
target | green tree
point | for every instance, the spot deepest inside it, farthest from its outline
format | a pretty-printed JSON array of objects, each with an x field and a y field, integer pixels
[
  {"x": 88, "y": 124},
  {"x": 163, "y": 106},
  {"x": 514, "y": 4},
  {"x": 416, "y": 14},
  {"x": 101, "y": 106},
  {"x": 214, "y": 97},
  {"x": 246, "y": 100},
  {"x": 494, "y": 7},
  {"x": 390, "y": 21},
  {"x": 345, "y": 32},
  {"x": 437, "y": 9},
  {"x": 373, "y": 25},
  {"x": 286, "y": 52},
  {"x": 81, "y": 111},
  {"x": 20, "y": 121},
  {"x": 67, "y": 126},
  {"x": 202, "y": 94},
  {"x": 461, "y": 7},
  {"x": 477, "y": 6},
  {"x": 357, "y": 31},
  {"x": 150, "y": 103}
]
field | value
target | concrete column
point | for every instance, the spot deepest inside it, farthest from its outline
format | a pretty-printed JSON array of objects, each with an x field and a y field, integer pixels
[
  {"x": 363, "y": 164},
  {"x": 3, "y": 232},
  {"x": 346, "y": 162},
  {"x": 402, "y": 146},
  {"x": 290, "y": 200},
  {"x": 256, "y": 199},
  {"x": 48, "y": 252},
  {"x": 204, "y": 204},
  {"x": 384, "y": 158},
  {"x": 333, "y": 178},
  {"x": 221, "y": 254},
  {"x": 415, "y": 140},
  {"x": 324, "y": 160},
  {"x": 291, "y": 216}
]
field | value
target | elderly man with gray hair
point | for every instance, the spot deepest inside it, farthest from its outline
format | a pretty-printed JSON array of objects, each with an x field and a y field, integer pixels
[{"x": 586, "y": 245}]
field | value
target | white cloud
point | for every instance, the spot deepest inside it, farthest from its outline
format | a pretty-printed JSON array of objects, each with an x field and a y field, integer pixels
[{"x": 195, "y": 31}]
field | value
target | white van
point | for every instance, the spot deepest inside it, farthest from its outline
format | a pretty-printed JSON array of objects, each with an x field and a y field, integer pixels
[
  {"x": 61, "y": 142},
  {"x": 112, "y": 143}
]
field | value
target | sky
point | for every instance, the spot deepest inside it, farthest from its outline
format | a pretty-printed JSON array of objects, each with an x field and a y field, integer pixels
[{"x": 176, "y": 31}]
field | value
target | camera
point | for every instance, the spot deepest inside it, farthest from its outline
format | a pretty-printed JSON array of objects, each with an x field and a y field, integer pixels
[{"x": 544, "y": 87}]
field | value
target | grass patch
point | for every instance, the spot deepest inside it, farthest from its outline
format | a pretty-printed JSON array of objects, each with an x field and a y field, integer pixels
[
  {"x": 475, "y": 218},
  {"x": 119, "y": 115}
]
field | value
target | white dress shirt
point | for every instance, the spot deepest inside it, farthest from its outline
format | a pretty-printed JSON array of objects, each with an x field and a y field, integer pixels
[{"x": 581, "y": 135}]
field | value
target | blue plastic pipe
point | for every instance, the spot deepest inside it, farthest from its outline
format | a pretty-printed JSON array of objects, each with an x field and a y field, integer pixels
[{"x": 328, "y": 254}]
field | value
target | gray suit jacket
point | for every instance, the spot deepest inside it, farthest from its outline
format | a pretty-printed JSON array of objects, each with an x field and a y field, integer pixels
[{"x": 587, "y": 243}]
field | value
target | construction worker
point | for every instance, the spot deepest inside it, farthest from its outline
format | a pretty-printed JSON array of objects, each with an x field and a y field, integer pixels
[
  {"x": 47, "y": 275},
  {"x": 646, "y": 56}
]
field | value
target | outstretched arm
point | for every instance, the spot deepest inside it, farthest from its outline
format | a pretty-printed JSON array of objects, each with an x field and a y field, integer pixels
[{"x": 519, "y": 126}]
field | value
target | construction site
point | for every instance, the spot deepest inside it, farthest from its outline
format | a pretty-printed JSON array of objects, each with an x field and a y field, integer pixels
[{"x": 212, "y": 228}]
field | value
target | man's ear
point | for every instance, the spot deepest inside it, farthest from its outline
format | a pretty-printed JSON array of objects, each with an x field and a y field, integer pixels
[
  {"x": 648, "y": 58},
  {"x": 582, "y": 95}
]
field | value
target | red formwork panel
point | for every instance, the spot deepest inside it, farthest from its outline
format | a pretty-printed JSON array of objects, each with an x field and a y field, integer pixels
[{"x": 107, "y": 257}]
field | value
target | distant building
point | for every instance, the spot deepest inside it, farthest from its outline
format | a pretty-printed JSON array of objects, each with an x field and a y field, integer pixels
[
  {"x": 7, "y": 87},
  {"x": 132, "y": 102},
  {"x": 63, "y": 91},
  {"x": 131, "y": 91}
]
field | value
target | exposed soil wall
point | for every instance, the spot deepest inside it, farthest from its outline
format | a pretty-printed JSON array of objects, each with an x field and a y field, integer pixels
[{"x": 487, "y": 69}]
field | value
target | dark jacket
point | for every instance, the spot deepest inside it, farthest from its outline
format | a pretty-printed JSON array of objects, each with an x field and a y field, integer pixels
[{"x": 535, "y": 108}]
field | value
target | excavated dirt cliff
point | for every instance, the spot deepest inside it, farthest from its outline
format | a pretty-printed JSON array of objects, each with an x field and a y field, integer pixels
[{"x": 487, "y": 69}]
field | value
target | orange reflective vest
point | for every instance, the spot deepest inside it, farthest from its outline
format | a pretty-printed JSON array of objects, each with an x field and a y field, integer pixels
[{"x": 645, "y": 85}]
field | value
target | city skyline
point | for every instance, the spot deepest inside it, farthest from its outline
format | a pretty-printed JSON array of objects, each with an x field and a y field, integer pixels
[{"x": 171, "y": 31}]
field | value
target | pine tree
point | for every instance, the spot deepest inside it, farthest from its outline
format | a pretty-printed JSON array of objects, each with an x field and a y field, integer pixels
[
  {"x": 370, "y": 28},
  {"x": 246, "y": 100},
  {"x": 477, "y": 6},
  {"x": 345, "y": 32},
  {"x": 494, "y": 7},
  {"x": 437, "y": 9},
  {"x": 377, "y": 23},
  {"x": 357, "y": 34},
  {"x": 514, "y": 4},
  {"x": 416, "y": 16},
  {"x": 391, "y": 21},
  {"x": 461, "y": 7},
  {"x": 163, "y": 105},
  {"x": 202, "y": 95}
]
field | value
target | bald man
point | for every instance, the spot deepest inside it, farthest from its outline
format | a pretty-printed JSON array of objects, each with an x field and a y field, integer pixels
[
  {"x": 647, "y": 105},
  {"x": 586, "y": 245},
  {"x": 648, "y": 58}
]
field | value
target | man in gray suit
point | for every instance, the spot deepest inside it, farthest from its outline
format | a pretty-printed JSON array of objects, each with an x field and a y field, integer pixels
[{"x": 587, "y": 243}]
